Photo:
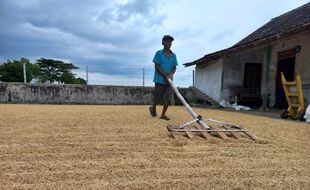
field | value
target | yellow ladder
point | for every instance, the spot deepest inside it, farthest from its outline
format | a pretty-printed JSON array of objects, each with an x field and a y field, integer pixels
[{"x": 294, "y": 97}]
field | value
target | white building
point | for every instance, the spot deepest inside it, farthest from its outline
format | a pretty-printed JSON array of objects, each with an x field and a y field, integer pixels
[{"x": 251, "y": 68}]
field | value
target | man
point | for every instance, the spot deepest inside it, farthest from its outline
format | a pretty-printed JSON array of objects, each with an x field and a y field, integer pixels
[{"x": 165, "y": 66}]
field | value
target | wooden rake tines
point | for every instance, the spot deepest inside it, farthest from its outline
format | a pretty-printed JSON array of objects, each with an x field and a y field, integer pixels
[
  {"x": 223, "y": 132},
  {"x": 220, "y": 129}
]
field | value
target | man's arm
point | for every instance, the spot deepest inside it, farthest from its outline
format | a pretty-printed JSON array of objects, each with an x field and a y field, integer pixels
[
  {"x": 172, "y": 72},
  {"x": 157, "y": 67}
]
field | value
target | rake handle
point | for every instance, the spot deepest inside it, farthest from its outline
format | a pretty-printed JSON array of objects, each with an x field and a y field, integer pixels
[{"x": 189, "y": 109}]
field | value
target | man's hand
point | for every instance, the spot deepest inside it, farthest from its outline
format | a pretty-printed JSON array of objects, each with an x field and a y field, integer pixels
[{"x": 169, "y": 76}]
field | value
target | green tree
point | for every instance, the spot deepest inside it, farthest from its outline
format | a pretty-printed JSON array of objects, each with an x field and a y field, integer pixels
[
  {"x": 57, "y": 71},
  {"x": 12, "y": 71},
  {"x": 80, "y": 81},
  {"x": 69, "y": 78}
]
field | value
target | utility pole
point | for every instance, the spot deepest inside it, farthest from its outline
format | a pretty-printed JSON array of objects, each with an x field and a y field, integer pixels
[
  {"x": 143, "y": 78},
  {"x": 86, "y": 74},
  {"x": 24, "y": 69}
]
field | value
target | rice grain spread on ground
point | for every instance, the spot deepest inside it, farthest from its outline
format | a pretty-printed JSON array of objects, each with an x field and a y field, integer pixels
[{"x": 123, "y": 147}]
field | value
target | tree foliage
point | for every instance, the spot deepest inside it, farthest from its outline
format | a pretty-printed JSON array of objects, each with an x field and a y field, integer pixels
[
  {"x": 45, "y": 70},
  {"x": 12, "y": 71},
  {"x": 80, "y": 80},
  {"x": 52, "y": 71}
]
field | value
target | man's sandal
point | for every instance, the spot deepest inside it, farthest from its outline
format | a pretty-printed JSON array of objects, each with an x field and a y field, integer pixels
[
  {"x": 152, "y": 111},
  {"x": 164, "y": 117}
]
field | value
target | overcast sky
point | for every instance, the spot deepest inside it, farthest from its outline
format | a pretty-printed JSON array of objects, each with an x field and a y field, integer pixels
[{"x": 116, "y": 39}]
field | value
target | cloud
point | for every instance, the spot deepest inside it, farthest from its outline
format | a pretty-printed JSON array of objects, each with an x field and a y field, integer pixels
[
  {"x": 220, "y": 36},
  {"x": 117, "y": 80},
  {"x": 131, "y": 12},
  {"x": 117, "y": 39},
  {"x": 54, "y": 29}
]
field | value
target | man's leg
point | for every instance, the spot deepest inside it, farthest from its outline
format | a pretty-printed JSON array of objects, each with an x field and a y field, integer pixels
[
  {"x": 152, "y": 108},
  {"x": 163, "y": 114},
  {"x": 167, "y": 99},
  {"x": 165, "y": 108}
]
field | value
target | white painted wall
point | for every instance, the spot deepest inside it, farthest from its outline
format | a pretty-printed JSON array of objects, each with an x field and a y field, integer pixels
[{"x": 208, "y": 78}]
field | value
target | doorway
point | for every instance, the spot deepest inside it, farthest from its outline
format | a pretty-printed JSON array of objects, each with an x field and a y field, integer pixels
[
  {"x": 252, "y": 85},
  {"x": 252, "y": 75},
  {"x": 286, "y": 64}
]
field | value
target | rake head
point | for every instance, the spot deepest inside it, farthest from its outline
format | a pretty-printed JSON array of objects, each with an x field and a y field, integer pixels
[{"x": 224, "y": 131}]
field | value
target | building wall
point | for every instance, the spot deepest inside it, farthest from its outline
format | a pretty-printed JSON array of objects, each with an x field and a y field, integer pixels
[
  {"x": 208, "y": 78},
  {"x": 302, "y": 63},
  {"x": 306, "y": 92},
  {"x": 80, "y": 94},
  {"x": 216, "y": 78},
  {"x": 233, "y": 69}
]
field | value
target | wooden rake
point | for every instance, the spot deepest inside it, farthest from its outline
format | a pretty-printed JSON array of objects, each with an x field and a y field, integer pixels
[{"x": 222, "y": 130}]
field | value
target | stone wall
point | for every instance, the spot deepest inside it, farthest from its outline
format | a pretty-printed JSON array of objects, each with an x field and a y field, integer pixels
[{"x": 78, "y": 94}]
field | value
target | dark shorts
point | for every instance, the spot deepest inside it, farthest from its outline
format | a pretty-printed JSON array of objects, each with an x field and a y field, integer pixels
[{"x": 162, "y": 94}]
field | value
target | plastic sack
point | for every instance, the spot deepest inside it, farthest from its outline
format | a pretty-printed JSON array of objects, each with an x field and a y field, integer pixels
[
  {"x": 307, "y": 114},
  {"x": 226, "y": 104}
]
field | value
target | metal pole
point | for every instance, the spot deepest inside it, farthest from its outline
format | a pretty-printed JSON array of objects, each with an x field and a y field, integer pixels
[
  {"x": 189, "y": 109},
  {"x": 143, "y": 78},
  {"x": 86, "y": 74},
  {"x": 24, "y": 69}
]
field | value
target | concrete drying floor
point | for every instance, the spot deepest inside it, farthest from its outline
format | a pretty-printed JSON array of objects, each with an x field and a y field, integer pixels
[{"x": 123, "y": 147}]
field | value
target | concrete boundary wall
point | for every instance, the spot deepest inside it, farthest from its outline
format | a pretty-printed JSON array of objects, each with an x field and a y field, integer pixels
[{"x": 77, "y": 94}]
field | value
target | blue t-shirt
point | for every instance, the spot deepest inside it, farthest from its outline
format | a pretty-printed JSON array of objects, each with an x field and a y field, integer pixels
[{"x": 166, "y": 65}]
